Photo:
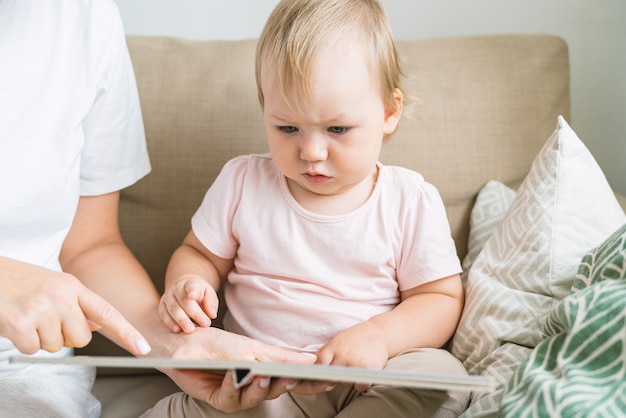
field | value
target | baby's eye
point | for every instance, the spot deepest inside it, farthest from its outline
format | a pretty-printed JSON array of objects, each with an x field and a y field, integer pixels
[
  {"x": 288, "y": 129},
  {"x": 337, "y": 130}
]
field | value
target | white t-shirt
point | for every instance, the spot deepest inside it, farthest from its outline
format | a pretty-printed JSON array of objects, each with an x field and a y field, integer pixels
[
  {"x": 70, "y": 121},
  {"x": 300, "y": 277}
]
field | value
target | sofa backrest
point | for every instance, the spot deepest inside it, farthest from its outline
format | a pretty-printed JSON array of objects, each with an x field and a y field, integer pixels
[{"x": 486, "y": 106}]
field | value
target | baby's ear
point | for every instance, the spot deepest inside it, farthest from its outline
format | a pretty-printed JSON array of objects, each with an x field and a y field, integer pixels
[{"x": 393, "y": 112}]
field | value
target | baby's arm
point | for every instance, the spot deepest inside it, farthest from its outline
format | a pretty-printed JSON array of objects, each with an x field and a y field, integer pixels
[
  {"x": 426, "y": 317},
  {"x": 193, "y": 277}
]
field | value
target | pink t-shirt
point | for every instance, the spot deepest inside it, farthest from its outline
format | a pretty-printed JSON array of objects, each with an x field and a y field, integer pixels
[{"x": 299, "y": 277}]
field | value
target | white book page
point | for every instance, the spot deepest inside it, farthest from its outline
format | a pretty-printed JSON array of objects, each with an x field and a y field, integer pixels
[{"x": 245, "y": 370}]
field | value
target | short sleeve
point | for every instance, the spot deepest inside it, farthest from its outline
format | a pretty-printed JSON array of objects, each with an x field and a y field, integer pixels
[
  {"x": 115, "y": 153},
  {"x": 428, "y": 250},
  {"x": 213, "y": 221}
]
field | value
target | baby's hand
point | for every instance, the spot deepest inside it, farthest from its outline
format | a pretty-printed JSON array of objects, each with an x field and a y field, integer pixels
[
  {"x": 359, "y": 346},
  {"x": 187, "y": 301}
]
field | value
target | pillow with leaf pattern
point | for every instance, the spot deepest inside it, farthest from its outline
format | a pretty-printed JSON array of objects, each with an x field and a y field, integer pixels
[{"x": 579, "y": 369}]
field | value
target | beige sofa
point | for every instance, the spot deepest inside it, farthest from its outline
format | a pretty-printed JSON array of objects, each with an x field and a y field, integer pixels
[{"x": 485, "y": 107}]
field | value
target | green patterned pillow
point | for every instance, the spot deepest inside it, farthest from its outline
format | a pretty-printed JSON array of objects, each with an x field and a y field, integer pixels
[
  {"x": 602, "y": 263},
  {"x": 579, "y": 369}
]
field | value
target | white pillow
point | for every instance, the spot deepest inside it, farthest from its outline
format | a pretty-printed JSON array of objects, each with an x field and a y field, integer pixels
[{"x": 564, "y": 208}]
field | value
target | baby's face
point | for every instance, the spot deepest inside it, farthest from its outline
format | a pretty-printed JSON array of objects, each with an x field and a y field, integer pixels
[{"x": 328, "y": 145}]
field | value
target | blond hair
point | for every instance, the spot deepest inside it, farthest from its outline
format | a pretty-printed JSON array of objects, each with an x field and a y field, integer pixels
[{"x": 298, "y": 31}]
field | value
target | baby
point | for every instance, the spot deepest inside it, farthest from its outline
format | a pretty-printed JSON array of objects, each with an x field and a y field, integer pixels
[{"x": 319, "y": 246}]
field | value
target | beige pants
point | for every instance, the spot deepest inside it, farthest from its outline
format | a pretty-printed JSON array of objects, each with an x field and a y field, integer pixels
[{"x": 343, "y": 401}]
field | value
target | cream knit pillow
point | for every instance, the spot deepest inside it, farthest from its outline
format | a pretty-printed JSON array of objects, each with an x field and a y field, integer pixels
[{"x": 492, "y": 202}]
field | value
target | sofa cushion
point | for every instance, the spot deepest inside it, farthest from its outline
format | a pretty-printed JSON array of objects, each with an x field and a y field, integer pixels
[
  {"x": 563, "y": 208},
  {"x": 579, "y": 369}
]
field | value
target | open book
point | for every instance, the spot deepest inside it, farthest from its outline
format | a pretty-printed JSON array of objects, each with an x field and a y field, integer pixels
[{"x": 245, "y": 370}]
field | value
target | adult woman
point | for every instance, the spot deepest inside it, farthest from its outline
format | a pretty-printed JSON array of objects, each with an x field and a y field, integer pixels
[{"x": 71, "y": 136}]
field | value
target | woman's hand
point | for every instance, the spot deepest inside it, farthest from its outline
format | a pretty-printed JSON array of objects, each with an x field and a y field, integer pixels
[
  {"x": 48, "y": 310},
  {"x": 218, "y": 389}
]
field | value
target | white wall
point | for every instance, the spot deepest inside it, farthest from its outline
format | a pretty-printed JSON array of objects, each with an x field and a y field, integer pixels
[{"x": 595, "y": 31}]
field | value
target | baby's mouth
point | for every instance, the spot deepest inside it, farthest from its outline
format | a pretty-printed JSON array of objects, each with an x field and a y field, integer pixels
[{"x": 315, "y": 178}]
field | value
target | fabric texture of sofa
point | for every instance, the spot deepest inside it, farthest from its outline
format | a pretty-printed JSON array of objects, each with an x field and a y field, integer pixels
[{"x": 484, "y": 108}]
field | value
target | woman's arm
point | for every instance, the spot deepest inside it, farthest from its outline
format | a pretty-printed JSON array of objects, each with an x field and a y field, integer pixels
[{"x": 95, "y": 253}]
